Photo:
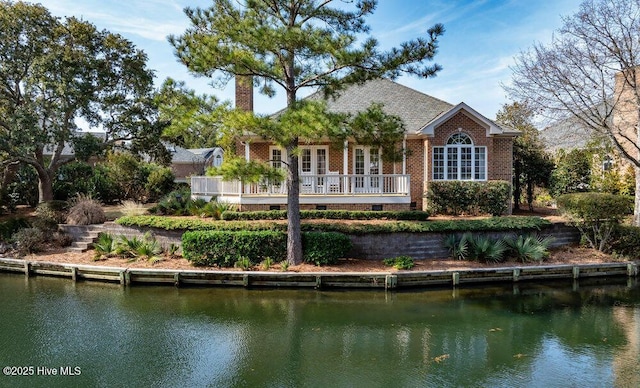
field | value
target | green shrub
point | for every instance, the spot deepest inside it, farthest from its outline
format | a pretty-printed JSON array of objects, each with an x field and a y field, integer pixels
[
  {"x": 55, "y": 211},
  {"x": 159, "y": 182},
  {"x": 625, "y": 241},
  {"x": 595, "y": 214},
  {"x": 467, "y": 197},
  {"x": 11, "y": 226},
  {"x": 223, "y": 248},
  {"x": 448, "y": 226},
  {"x": 28, "y": 240},
  {"x": 493, "y": 198},
  {"x": 72, "y": 179},
  {"x": 328, "y": 214},
  {"x": 529, "y": 248},
  {"x": 324, "y": 248},
  {"x": 175, "y": 203},
  {"x": 400, "y": 262}
]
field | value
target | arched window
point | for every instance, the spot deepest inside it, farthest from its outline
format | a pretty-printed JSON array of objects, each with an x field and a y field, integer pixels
[{"x": 460, "y": 160}]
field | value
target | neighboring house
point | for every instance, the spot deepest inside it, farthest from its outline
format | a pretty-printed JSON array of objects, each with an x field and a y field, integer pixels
[
  {"x": 444, "y": 142},
  {"x": 188, "y": 162},
  {"x": 67, "y": 150}
]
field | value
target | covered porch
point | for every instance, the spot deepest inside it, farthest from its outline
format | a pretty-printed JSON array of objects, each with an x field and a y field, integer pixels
[{"x": 315, "y": 189}]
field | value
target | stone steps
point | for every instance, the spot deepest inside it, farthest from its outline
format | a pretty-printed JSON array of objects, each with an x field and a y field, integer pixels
[{"x": 84, "y": 236}]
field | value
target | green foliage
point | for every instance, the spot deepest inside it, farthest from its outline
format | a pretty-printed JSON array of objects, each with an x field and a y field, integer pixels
[
  {"x": 194, "y": 120},
  {"x": 464, "y": 197},
  {"x": 315, "y": 45},
  {"x": 595, "y": 214},
  {"x": 21, "y": 188},
  {"x": 60, "y": 71},
  {"x": 572, "y": 173},
  {"x": 72, "y": 179},
  {"x": 104, "y": 247},
  {"x": 266, "y": 264},
  {"x": 485, "y": 249},
  {"x": 10, "y": 226},
  {"x": 458, "y": 247},
  {"x": 625, "y": 241},
  {"x": 400, "y": 262},
  {"x": 530, "y": 248},
  {"x": 493, "y": 198},
  {"x": 243, "y": 263},
  {"x": 489, "y": 224},
  {"x": 377, "y": 129},
  {"x": 28, "y": 240},
  {"x": 532, "y": 165},
  {"x": 252, "y": 171},
  {"x": 175, "y": 203},
  {"x": 104, "y": 186},
  {"x": 324, "y": 248},
  {"x": 328, "y": 214},
  {"x": 159, "y": 182},
  {"x": 222, "y": 248},
  {"x": 54, "y": 211}
]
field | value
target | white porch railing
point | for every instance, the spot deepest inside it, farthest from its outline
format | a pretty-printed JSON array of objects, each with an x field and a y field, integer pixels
[{"x": 323, "y": 185}]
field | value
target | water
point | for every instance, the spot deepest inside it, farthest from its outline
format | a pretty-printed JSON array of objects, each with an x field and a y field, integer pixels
[{"x": 108, "y": 336}]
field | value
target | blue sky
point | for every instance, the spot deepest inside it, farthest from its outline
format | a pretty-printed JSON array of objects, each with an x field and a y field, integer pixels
[{"x": 479, "y": 45}]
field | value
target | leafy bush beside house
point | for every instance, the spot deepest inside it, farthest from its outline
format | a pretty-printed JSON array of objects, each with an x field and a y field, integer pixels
[{"x": 467, "y": 197}]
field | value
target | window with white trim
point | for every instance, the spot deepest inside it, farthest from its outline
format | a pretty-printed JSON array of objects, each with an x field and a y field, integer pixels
[
  {"x": 459, "y": 160},
  {"x": 276, "y": 157}
]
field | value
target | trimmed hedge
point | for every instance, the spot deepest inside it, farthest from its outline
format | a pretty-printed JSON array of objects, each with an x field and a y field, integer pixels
[
  {"x": 487, "y": 224},
  {"x": 224, "y": 248},
  {"x": 328, "y": 215},
  {"x": 466, "y": 197}
]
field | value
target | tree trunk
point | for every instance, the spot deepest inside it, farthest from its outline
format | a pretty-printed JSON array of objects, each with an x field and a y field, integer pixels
[
  {"x": 636, "y": 207},
  {"x": 45, "y": 186},
  {"x": 294, "y": 233},
  {"x": 517, "y": 188}
]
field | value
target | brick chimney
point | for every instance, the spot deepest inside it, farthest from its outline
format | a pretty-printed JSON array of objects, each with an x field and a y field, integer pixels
[{"x": 244, "y": 93}]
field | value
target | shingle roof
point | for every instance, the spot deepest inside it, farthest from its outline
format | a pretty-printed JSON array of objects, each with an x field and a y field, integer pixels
[
  {"x": 566, "y": 134},
  {"x": 413, "y": 107}
]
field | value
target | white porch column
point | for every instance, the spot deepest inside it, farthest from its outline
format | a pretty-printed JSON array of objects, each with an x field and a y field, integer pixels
[
  {"x": 345, "y": 158},
  {"x": 404, "y": 155},
  {"x": 246, "y": 150}
]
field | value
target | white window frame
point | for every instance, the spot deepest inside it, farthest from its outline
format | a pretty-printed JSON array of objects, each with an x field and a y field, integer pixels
[{"x": 447, "y": 162}]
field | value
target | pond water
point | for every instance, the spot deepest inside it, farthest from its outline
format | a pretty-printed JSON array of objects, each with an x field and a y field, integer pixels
[{"x": 103, "y": 335}]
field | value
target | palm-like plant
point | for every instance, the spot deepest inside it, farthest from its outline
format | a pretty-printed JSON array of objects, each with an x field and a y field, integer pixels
[
  {"x": 483, "y": 248},
  {"x": 529, "y": 248},
  {"x": 104, "y": 247},
  {"x": 458, "y": 248}
]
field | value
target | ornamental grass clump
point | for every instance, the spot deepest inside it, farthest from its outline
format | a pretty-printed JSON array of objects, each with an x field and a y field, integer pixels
[{"x": 85, "y": 211}]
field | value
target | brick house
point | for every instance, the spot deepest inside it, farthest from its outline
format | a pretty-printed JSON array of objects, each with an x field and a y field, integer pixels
[{"x": 444, "y": 142}]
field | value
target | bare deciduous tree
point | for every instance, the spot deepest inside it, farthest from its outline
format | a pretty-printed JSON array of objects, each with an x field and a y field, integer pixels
[{"x": 589, "y": 74}]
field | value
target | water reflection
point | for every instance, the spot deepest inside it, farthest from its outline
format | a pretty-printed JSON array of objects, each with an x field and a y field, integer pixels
[{"x": 529, "y": 335}]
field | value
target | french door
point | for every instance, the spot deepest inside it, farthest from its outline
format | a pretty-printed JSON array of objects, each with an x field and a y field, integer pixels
[{"x": 367, "y": 163}]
